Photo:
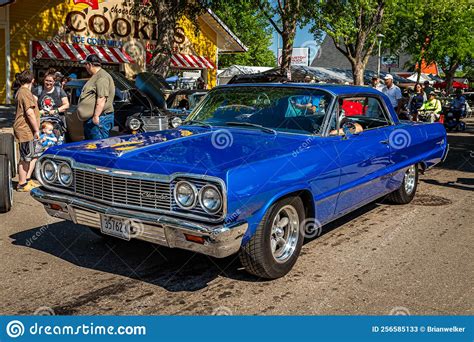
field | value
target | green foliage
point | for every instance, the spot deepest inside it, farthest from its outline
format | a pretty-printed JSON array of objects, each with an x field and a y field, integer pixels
[
  {"x": 434, "y": 30},
  {"x": 253, "y": 29},
  {"x": 353, "y": 25}
]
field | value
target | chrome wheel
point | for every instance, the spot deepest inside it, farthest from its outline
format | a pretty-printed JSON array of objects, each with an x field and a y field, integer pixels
[
  {"x": 410, "y": 179},
  {"x": 284, "y": 233}
]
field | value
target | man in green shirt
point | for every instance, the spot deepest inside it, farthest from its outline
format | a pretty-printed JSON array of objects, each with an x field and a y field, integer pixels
[
  {"x": 95, "y": 106},
  {"x": 433, "y": 107}
]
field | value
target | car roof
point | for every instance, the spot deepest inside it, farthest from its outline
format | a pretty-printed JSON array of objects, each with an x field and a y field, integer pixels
[{"x": 336, "y": 89}]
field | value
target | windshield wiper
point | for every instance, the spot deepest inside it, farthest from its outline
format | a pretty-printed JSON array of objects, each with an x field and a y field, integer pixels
[
  {"x": 263, "y": 128},
  {"x": 197, "y": 123}
]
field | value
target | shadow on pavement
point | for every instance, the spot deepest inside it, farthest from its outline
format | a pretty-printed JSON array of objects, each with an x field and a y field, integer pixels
[{"x": 172, "y": 269}]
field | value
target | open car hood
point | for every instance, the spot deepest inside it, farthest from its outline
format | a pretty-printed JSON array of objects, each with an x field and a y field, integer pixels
[{"x": 152, "y": 85}]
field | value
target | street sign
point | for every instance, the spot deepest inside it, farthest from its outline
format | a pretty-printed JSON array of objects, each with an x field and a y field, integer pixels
[
  {"x": 299, "y": 56},
  {"x": 390, "y": 61}
]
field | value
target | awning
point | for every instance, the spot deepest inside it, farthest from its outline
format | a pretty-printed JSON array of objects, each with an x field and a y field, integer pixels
[
  {"x": 183, "y": 61},
  {"x": 78, "y": 52}
]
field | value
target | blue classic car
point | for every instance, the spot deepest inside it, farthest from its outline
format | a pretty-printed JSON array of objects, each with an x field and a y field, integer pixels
[{"x": 254, "y": 170}]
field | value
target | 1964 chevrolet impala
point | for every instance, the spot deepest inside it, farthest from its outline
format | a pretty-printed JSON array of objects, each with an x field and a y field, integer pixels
[{"x": 249, "y": 171}]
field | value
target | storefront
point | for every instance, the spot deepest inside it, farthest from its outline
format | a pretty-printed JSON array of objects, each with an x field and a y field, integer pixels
[{"x": 59, "y": 34}]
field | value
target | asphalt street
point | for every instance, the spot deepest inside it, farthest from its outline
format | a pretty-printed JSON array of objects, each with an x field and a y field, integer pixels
[{"x": 383, "y": 259}]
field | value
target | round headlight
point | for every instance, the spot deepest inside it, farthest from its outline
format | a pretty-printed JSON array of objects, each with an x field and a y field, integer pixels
[
  {"x": 134, "y": 124},
  {"x": 176, "y": 121},
  {"x": 210, "y": 199},
  {"x": 65, "y": 174},
  {"x": 185, "y": 194},
  {"x": 49, "y": 171}
]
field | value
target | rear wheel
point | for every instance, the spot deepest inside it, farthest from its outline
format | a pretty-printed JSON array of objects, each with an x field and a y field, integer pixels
[
  {"x": 274, "y": 248},
  {"x": 406, "y": 192},
  {"x": 7, "y": 148},
  {"x": 6, "y": 186}
]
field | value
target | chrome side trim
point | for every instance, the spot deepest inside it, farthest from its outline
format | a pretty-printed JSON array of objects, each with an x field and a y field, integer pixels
[
  {"x": 135, "y": 175},
  {"x": 220, "y": 240}
]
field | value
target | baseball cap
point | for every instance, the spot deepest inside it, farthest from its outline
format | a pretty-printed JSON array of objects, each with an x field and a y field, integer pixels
[
  {"x": 92, "y": 59},
  {"x": 388, "y": 77}
]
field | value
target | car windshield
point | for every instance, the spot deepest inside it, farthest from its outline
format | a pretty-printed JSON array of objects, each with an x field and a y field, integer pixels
[{"x": 287, "y": 109}]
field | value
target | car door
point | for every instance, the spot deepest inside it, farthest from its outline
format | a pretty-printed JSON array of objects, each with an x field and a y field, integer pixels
[{"x": 363, "y": 157}]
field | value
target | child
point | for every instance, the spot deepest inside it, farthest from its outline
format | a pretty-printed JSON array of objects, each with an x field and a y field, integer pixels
[{"x": 47, "y": 137}]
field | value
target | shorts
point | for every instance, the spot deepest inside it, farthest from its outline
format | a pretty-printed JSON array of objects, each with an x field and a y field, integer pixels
[{"x": 28, "y": 151}]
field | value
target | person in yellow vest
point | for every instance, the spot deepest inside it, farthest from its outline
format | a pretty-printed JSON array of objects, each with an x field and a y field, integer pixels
[{"x": 433, "y": 105}]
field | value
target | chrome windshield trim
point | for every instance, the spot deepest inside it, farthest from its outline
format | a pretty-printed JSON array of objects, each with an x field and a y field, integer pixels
[{"x": 135, "y": 175}]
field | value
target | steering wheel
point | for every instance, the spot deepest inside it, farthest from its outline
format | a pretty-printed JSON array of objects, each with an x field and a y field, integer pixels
[{"x": 259, "y": 98}]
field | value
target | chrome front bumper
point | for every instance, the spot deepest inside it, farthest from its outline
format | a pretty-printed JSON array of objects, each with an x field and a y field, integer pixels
[{"x": 219, "y": 241}]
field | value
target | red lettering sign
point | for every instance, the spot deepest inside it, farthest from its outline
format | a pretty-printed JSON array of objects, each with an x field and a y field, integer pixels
[{"x": 92, "y": 3}]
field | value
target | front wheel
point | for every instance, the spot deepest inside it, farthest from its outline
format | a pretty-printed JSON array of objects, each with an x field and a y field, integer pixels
[
  {"x": 274, "y": 248},
  {"x": 406, "y": 192}
]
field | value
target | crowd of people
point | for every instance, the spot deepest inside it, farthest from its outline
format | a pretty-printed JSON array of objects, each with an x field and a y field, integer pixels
[
  {"x": 422, "y": 100},
  {"x": 35, "y": 105}
]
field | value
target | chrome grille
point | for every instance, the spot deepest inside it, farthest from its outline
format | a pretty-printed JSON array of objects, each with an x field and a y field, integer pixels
[{"x": 121, "y": 190}]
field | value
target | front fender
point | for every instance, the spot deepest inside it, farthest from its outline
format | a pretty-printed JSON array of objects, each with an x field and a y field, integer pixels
[{"x": 257, "y": 215}]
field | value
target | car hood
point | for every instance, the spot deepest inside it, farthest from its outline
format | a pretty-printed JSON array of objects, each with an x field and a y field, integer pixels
[{"x": 186, "y": 149}]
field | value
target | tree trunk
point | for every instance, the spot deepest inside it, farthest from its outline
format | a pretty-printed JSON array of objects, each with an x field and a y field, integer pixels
[
  {"x": 288, "y": 38},
  {"x": 166, "y": 16},
  {"x": 358, "y": 70},
  {"x": 450, "y": 73},
  {"x": 287, "y": 50}
]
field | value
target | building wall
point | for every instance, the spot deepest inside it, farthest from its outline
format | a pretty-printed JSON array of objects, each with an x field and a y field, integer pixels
[
  {"x": 44, "y": 20},
  {"x": 330, "y": 57},
  {"x": 33, "y": 20}
]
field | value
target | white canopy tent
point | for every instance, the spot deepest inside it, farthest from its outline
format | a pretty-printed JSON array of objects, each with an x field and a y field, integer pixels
[{"x": 224, "y": 76}]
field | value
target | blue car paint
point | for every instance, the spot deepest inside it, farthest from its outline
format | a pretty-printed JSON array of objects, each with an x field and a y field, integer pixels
[{"x": 259, "y": 168}]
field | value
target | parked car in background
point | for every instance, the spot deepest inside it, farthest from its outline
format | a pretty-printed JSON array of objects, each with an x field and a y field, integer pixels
[
  {"x": 182, "y": 102},
  {"x": 129, "y": 103},
  {"x": 254, "y": 170}
]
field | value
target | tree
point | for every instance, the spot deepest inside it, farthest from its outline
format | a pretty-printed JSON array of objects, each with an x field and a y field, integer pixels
[
  {"x": 252, "y": 28},
  {"x": 453, "y": 45},
  {"x": 353, "y": 26},
  {"x": 167, "y": 13},
  {"x": 284, "y": 16},
  {"x": 434, "y": 31}
]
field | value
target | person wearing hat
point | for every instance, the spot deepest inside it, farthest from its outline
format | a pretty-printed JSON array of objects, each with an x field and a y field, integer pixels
[
  {"x": 376, "y": 83},
  {"x": 433, "y": 105},
  {"x": 392, "y": 91},
  {"x": 95, "y": 106}
]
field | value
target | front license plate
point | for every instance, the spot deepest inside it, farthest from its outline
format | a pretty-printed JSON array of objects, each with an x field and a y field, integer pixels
[{"x": 115, "y": 226}]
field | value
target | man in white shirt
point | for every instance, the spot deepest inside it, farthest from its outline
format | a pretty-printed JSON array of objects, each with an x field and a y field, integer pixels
[{"x": 392, "y": 91}]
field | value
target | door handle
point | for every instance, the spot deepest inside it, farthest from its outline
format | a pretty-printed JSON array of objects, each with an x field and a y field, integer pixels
[{"x": 385, "y": 142}]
